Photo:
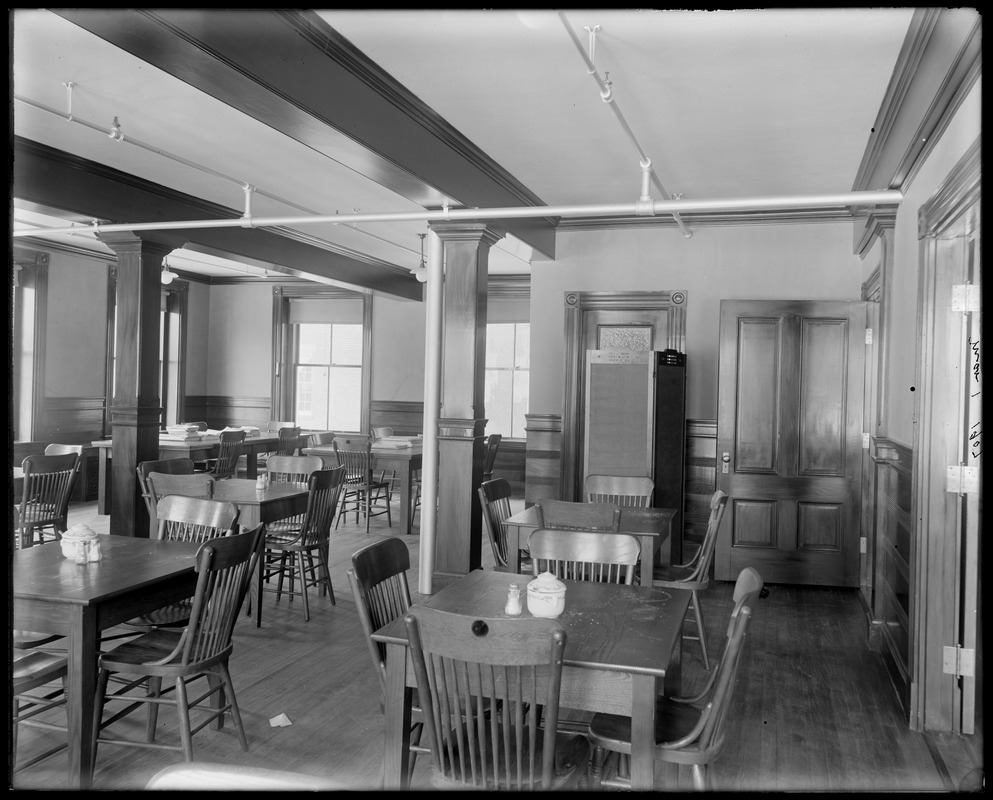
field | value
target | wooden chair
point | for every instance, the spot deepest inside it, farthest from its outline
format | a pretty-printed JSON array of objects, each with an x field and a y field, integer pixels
[
  {"x": 275, "y": 425},
  {"x": 167, "y": 466},
  {"x": 695, "y": 573},
  {"x": 688, "y": 730},
  {"x": 387, "y": 476},
  {"x": 318, "y": 439},
  {"x": 380, "y": 433},
  {"x": 44, "y": 504},
  {"x": 38, "y": 684},
  {"x": 569, "y": 515},
  {"x": 483, "y": 726},
  {"x": 162, "y": 484},
  {"x": 293, "y": 469},
  {"x": 490, "y": 454},
  {"x": 361, "y": 486},
  {"x": 625, "y": 490},
  {"x": 226, "y": 463},
  {"x": 184, "y": 519},
  {"x": 378, "y": 578},
  {"x": 201, "y": 649},
  {"x": 494, "y": 498},
  {"x": 289, "y": 445},
  {"x": 291, "y": 552},
  {"x": 584, "y": 555}
]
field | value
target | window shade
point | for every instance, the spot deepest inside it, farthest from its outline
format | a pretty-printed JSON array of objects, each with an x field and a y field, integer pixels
[{"x": 324, "y": 311}]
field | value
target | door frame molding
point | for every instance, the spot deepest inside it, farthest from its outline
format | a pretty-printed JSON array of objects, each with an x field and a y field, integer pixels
[
  {"x": 577, "y": 305},
  {"x": 935, "y": 567}
]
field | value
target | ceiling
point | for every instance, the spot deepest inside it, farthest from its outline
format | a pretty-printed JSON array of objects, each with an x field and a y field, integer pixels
[{"x": 386, "y": 113}]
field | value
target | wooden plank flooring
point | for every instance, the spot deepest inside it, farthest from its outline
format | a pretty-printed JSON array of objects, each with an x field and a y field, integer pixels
[{"x": 814, "y": 709}]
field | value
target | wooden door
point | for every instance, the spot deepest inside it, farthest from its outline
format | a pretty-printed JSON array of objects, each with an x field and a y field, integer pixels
[{"x": 789, "y": 440}]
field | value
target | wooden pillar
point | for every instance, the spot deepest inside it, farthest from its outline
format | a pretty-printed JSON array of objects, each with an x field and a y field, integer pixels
[
  {"x": 462, "y": 424},
  {"x": 136, "y": 409}
]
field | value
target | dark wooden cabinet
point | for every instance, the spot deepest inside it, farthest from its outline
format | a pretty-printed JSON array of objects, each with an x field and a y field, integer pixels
[{"x": 635, "y": 423}]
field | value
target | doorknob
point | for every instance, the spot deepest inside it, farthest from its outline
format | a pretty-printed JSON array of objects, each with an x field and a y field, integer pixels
[{"x": 726, "y": 458}]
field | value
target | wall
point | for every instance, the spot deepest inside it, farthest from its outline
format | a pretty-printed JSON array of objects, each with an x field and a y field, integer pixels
[
  {"x": 197, "y": 338},
  {"x": 398, "y": 329},
  {"x": 239, "y": 341},
  {"x": 809, "y": 261}
]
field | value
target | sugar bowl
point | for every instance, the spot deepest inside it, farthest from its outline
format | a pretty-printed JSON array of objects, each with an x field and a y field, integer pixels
[
  {"x": 546, "y": 596},
  {"x": 81, "y": 543}
]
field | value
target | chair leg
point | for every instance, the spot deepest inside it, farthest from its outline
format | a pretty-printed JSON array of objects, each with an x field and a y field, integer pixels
[
  {"x": 233, "y": 702},
  {"x": 154, "y": 690},
  {"x": 597, "y": 759},
  {"x": 300, "y": 567},
  {"x": 183, "y": 707},
  {"x": 700, "y": 629},
  {"x": 322, "y": 558},
  {"x": 699, "y": 772}
]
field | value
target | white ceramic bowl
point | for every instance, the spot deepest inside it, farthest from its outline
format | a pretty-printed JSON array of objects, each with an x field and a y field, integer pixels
[
  {"x": 73, "y": 536},
  {"x": 546, "y": 596}
]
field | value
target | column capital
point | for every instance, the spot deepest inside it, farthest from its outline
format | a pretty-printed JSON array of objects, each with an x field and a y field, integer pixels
[
  {"x": 128, "y": 242},
  {"x": 468, "y": 231},
  {"x": 457, "y": 428}
]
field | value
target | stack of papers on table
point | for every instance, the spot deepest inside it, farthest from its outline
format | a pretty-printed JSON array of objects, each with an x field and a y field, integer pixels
[
  {"x": 397, "y": 442},
  {"x": 181, "y": 433},
  {"x": 250, "y": 430}
]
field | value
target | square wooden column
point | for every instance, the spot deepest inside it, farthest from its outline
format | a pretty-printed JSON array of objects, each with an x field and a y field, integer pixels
[
  {"x": 136, "y": 409},
  {"x": 462, "y": 423}
]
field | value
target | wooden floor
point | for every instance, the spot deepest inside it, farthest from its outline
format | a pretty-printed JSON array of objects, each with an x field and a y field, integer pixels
[{"x": 814, "y": 710}]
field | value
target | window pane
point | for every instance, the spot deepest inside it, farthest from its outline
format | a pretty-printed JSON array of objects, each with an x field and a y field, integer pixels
[
  {"x": 345, "y": 399},
  {"x": 522, "y": 382},
  {"x": 499, "y": 345},
  {"x": 311, "y": 397},
  {"x": 522, "y": 346},
  {"x": 499, "y": 390},
  {"x": 346, "y": 345},
  {"x": 315, "y": 344}
]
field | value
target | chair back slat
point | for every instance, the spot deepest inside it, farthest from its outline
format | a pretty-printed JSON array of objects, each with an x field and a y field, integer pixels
[
  {"x": 293, "y": 469},
  {"x": 494, "y": 498},
  {"x": 228, "y": 454},
  {"x": 585, "y": 555},
  {"x": 624, "y": 490},
  {"x": 224, "y": 569},
  {"x": 569, "y": 515},
  {"x": 324, "y": 492},
  {"x": 195, "y": 519},
  {"x": 481, "y": 682},
  {"x": 378, "y": 578}
]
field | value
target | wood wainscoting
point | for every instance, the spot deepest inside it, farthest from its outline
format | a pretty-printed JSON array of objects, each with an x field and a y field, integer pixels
[
  {"x": 891, "y": 543},
  {"x": 405, "y": 417}
]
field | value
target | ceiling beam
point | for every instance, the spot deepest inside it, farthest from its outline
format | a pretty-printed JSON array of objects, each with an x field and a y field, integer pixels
[
  {"x": 291, "y": 71},
  {"x": 56, "y": 179}
]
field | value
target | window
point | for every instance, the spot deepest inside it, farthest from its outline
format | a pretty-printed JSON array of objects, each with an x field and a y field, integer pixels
[
  {"x": 323, "y": 339},
  {"x": 508, "y": 348},
  {"x": 328, "y": 376}
]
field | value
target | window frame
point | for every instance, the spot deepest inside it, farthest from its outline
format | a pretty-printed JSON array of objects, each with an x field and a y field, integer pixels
[
  {"x": 510, "y": 287},
  {"x": 284, "y": 343}
]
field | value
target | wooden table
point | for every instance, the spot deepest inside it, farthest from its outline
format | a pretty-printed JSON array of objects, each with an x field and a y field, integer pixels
[
  {"x": 277, "y": 501},
  {"x": 623, "y": 644},
  {"x": 54, "y": 594},
  {"x": 199, "y": 450},
  {"x": 652, "y": 526},
  {"x": 405, "y": 460}
]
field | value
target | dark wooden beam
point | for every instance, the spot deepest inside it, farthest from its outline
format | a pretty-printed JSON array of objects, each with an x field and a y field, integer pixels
[
  {"x": 56, "y": 179},
  {"x": 293, "y": 72}
]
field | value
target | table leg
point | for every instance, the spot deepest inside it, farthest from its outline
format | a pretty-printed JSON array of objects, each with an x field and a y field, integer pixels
[
  {"x": 103, "y": 475},
  {"x": 252, "y": 464},
  {"x": 80, "y": 689},
  {"x": 643, "y": 690},
  {"x": 646, "y": 569},
  {"x": 514, "y": 548},
  {"x": 406, "y": 492},
  {"x": 396, "y": 757}
]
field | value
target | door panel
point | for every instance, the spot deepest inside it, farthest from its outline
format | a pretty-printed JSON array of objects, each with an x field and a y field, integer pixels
[{"x": 789, "y": 440}]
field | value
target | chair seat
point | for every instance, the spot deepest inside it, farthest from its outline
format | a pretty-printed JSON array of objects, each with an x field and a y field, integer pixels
[
  {"x": 674, "y": 572},
  {"x": 152, "y": 646},
  {"x": 34, "y": 668},
  {"x": 177, "y": 613},
  {"x": 282, "y": 531},
  {"x": 672, "y": 721}
]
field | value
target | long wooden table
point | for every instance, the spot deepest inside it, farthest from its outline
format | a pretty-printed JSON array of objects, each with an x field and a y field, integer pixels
[
  {"x": 652, "y": 526},
  {"x": 623, "y": 649},
  {"x": 54, "y": 594},
  {"x": 404, "y": 460},
  {"x": 198, "y": 450}
]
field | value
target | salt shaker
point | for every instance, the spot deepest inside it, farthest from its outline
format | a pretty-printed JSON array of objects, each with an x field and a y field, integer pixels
[
  {"x": 260, "y": 482},
  {"x": 95, "y": 553},
  {"x": 81, "y": 552},
  {"x": 513, "y": 607}
]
